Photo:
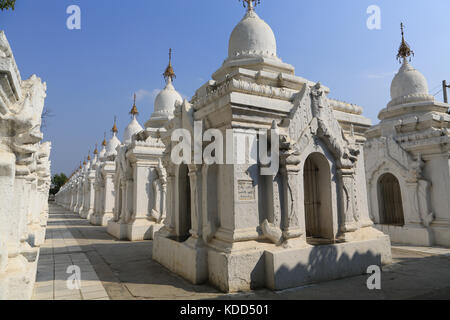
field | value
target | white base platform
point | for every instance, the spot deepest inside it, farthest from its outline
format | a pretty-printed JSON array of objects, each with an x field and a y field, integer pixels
[
  {"x": 100, "y": 219},
  {"x": 255, "y": 265}
]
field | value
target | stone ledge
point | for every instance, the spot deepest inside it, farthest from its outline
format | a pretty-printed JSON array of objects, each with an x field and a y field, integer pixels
[
  {"x": 297, "y": 267},
  {"x": 183, "y": 258}
]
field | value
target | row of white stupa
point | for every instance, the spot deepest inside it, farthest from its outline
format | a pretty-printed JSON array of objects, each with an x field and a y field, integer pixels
[
  {"x": 24, "y": 176},
  {"x": 95, "y": 188},
  {"x": 245, "y": 231}
]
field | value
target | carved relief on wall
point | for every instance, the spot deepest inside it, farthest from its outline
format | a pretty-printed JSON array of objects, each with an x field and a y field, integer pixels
[
  {"x": 384, "y": 151},
  {"x": 159, "y": 185},
  {"x": 312, "y": 115},
  {"x": 312, "y": 121}
]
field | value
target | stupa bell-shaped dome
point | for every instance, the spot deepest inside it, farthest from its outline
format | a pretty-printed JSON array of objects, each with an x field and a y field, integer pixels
[
  {"x": 408, "y": 85},
  {"x": 134, "y": 126},
  {"x": 252, "y": 36},
  {"x": 102, "y": 153},
  {"x": 166, "y": 99},
  {"x": 407, "y": 82},
  {"x": 95, "y": 159},
  {"x": 113, "y": 143}
]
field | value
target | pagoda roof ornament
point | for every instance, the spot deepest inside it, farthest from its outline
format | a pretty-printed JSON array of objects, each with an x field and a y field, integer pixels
[
  {"x": 104, "y": 140},
  {"x": 404, "y": 51},
  {"x": 96, "y": 150},
  {"x": 114, "y": 129},
  {"x": 134, "y": 111},
  {"x": 169, "y": 74},
  {"x": 250, "y": 4}
]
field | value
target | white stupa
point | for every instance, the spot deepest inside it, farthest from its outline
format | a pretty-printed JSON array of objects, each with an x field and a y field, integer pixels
[
  {"x": 408, "y": 85},
  {"x": 165, "y": 100},
  {"x": 407, "y": 161},
  {"x": 252, "y": 37},
  {"x": 252, "y": 45},
  {"x": 134, "y": 126},
  {"x": 95, "y": 160},
  {"x": 113, "y": 143},
  {"x": 102, "y": 153}
]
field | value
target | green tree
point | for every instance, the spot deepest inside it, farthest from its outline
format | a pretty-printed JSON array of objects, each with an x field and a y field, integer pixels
[
  {"x": 58, "y": 180},
  {"x": 6, "y": 4}
]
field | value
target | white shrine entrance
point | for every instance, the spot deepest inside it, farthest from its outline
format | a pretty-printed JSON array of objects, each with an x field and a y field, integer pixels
[
  {"x": 184, "y": 204},
  {"x": 390, "y": 197},
  {"x": 317, "y": 199}
]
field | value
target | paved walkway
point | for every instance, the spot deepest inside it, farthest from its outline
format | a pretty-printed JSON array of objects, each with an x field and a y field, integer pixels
[
  {"x": 112, "y": 269},
  {"x": 59, "y": 257}
]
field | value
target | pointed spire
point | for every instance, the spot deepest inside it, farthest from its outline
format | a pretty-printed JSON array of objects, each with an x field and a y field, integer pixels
[
  {"x": 114, "y": 128},
  {"x": 405, "y": 50},
  {"x": 95, "y": 150},
  {"x": 169, "y": 74},
  {"x": 250, "y": 4},
  {"x": 134, "y": 111},
  {"x": 104, "y": 140},
  {"x": 89, "y": 156}
]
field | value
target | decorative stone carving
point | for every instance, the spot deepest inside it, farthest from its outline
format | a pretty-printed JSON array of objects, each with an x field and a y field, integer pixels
[
  {"x": 160, "y": 191},
  {"x": 24, "y": 176},
  {"x": 272, "y": 232}
]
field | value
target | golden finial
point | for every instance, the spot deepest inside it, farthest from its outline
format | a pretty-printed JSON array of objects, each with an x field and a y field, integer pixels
[
  {"x": 169, "y": 73},
  {"x": 89, "y": 156},
  {"x": 134, "y": 110},
  {"x": 250, "y": 4},
  {"x": 96, "y": 150},
  {"x": 80, "y": 165},
  {"x": 114, "y": 128},
  {"x": 84, "y": 162},
  {"x": 405, "y": 50},
  {"x": 104, "y": 140}
]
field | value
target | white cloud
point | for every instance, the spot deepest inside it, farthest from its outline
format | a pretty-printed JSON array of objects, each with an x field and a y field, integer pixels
[{"x": 143, "y": 94}]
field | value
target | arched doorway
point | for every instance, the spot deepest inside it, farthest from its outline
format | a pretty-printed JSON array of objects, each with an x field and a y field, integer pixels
[
  {"x": 390, "y": 200},
  {"x": 184, "y": 203},
  {"x": 317, "y": 200}
]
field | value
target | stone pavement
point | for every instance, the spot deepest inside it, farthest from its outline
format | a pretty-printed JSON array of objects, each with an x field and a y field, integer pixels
[
  {"x": 112, "y": 269},
  {"x": 59, "y": 252}
]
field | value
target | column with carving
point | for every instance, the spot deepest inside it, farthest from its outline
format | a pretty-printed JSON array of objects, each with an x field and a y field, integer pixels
[
  {"x": 346, "y": 203},
  {"x": 195, "y": 177},
  {"x": 292, "y": 222}
]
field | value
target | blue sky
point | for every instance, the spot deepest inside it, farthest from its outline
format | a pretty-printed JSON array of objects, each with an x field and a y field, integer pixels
[{"x": 122, "y": 47}]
